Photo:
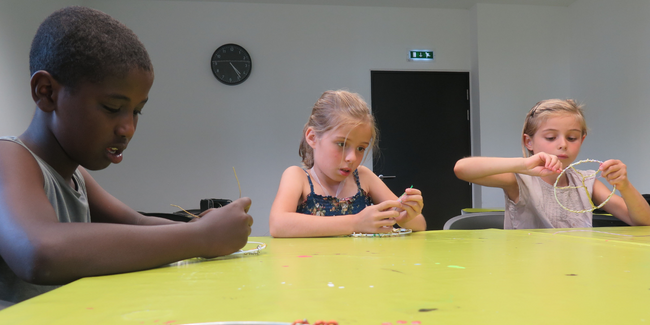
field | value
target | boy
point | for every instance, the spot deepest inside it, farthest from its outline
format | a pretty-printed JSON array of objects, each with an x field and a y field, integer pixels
[{"x": 90, "y": 79}]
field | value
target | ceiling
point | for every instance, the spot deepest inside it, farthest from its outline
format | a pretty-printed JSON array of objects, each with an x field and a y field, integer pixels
[{"x": 451, "y": 4}]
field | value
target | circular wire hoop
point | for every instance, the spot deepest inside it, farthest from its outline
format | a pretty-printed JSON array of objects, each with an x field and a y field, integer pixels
[
  {"x": 593, "y": 207},
  {"x": 396, "y": 232},
  {"x": 254, "y": 251}
]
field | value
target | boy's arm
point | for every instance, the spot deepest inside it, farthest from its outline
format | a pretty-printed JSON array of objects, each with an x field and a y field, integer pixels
[
  {"x": 632, "y": 207},
  {"x": 284, "y": 221},
  {"x": 40, "y": 249}
]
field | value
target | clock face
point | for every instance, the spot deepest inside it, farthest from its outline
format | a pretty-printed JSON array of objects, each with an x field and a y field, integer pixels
[{"x": 231, "y": 64}]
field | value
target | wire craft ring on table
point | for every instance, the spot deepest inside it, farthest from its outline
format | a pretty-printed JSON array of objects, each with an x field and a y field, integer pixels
[
  {"x": 583, "y": 177},
  {"x": 394, "y": 233},
  {"x": 254, "y": 251}
]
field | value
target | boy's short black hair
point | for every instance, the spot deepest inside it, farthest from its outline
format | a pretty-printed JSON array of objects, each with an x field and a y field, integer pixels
[{"x": 78, "y": 44}]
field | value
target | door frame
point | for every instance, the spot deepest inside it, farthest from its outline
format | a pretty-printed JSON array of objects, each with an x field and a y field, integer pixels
[{"x": 474, "y": 119}]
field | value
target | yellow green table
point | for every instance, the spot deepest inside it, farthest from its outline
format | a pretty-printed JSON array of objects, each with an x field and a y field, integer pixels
[{"x": 552, "y": 276}]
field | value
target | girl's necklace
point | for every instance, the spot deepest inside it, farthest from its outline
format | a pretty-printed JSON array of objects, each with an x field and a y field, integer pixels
[{"x": 338, "y": 191}]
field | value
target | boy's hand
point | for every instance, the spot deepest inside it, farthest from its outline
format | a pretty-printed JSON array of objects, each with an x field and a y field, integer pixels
[
  {"x": 225, "y": 230},
  {"x": 542, "y": 164},
  {"x": 615, "y": 172},
  {"x": 411, "y": 205},
  {"x": 378, "y": 218}
]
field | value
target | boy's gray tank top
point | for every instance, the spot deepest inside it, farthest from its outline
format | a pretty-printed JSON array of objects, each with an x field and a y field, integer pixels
[{"x": 69, "y": 204}]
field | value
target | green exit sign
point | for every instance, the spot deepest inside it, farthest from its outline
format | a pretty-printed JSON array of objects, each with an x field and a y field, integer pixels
[{"x": 421, "y": 55}]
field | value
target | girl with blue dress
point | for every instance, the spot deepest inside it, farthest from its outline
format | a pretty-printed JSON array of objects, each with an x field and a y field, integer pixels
[{"x": 334, "y": 195}]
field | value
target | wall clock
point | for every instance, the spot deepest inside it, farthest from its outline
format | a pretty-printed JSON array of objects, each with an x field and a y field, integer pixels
[{"x": 231, "y": 64}]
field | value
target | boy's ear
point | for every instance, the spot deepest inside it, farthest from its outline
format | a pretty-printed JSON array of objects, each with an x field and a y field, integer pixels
[
  {"x": 310, "y": 136},
  {"x": 44, "y": 90}
]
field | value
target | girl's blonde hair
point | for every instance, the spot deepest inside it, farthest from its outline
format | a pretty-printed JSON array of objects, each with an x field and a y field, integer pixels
[
  {"x": 334, "y": 109},
  {"x": 545, "y": 109}
]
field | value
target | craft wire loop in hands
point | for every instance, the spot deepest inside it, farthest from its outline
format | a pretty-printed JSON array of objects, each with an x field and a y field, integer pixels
[{"x": 583, "y": 177}]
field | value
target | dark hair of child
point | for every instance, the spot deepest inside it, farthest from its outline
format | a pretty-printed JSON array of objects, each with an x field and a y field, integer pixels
[{"x": 79, "y": 44}]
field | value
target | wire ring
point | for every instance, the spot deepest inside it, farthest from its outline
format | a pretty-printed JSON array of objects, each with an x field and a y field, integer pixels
[
  {"x": 254, "y": 251},
  {"x": 593, "y": 207},
  {"x": 394, "y": 233}
]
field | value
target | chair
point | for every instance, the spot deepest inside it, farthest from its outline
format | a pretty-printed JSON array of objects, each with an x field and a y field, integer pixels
[
  {"x": 4, "y": 304},
  {"x": 176, "y": 216},
  {"x": 601, "y": 218},
  {"x": 187, "y": 215},
  {"x": 478, "y": 220},
  {"x": 476, "y": 210}
]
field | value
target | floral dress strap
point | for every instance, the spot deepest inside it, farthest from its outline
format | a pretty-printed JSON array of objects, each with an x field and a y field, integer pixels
[
  {"x": 311, "y": 185},
  {"x": 320, "y": 205}
]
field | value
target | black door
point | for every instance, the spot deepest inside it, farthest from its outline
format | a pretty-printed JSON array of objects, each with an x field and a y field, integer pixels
[{"x": 423, "y": 121}]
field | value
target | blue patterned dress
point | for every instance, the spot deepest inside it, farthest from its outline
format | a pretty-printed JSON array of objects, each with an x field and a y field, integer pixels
[{"x": 319, "y": 205}]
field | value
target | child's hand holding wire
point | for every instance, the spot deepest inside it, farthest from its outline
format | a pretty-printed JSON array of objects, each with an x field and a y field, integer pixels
[
  {"x": 542, "y": 164},
  {"x": 411, "y": 205},
  {"x": 377, "y": 218},
  {"x": 224, "y": 230},
  {"x": 615, "y": 172}
]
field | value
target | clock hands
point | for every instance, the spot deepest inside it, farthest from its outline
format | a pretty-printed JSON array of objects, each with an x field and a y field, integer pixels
[
  {"x": 238, "y": 73},
  {"x": 239, "y": 61}
]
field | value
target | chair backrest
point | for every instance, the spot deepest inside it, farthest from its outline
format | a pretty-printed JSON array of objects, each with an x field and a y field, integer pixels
[
  {"x": 4, "y": 304},
  {"x": 479, "y": 220}
]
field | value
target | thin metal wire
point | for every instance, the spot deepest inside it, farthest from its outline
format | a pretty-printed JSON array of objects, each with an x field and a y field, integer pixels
[
  {"x": 237, "y": 178},
  {"x": 583, "y": 177},
  {"x": 255, "y": 251},
  {"x": 394, "y": 233},
  {"x": 192, "y": 214}
]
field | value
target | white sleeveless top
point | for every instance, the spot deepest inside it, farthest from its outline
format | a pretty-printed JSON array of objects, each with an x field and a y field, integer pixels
[
  {"x": 69, "y": 204},
  {"x": 537, "y": 207}
]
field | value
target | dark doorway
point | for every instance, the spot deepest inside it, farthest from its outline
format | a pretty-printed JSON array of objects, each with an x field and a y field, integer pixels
[{"x": 423, "y": 121}]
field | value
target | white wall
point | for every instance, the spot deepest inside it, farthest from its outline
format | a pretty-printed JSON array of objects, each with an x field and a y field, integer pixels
[
  {"x": 595, "y": 51},
  {"x": 610, "y": 74},
  {"x": 19, "y": 20},
  {"x": 194, "y": 129},
  {"x": 523, "y": 58}
]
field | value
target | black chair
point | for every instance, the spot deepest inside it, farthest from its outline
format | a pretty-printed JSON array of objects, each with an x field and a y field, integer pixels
[
  {"x": 176, "y": 216},
  {"x": 187, "y": 215},
  {"x": 4, "y": 304},
  {"x": 601, "y": 218}
]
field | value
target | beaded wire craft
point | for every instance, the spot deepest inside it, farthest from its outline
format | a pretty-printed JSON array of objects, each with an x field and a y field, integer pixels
[
  {"x": 582, "y": 177},
  {"x": 254, "y": 251},
  {"x": 394, "y": 233}
]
